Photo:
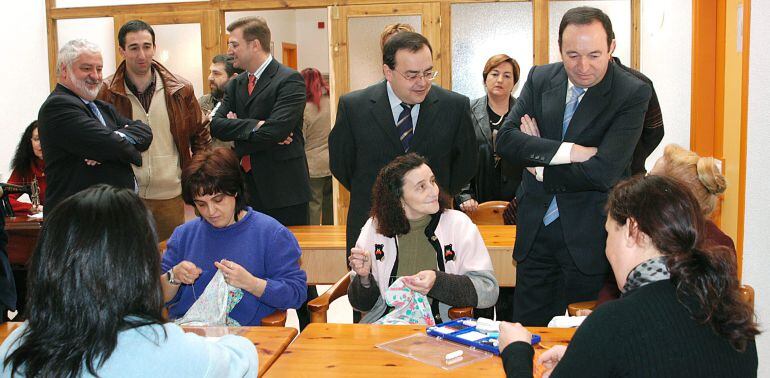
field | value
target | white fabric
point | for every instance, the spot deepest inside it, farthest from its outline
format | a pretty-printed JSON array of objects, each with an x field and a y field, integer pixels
[{"x": 454, "y": 227}]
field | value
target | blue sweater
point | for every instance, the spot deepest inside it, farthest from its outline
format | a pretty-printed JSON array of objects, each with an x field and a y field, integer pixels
[
  {"x": 146, "y": 352},
  {"x": 257, "y": 242}
]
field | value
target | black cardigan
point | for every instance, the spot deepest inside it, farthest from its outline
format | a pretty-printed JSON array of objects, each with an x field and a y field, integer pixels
[{"x": 647, "y": 333}]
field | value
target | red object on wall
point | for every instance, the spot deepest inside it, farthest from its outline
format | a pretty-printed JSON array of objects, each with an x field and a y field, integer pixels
[{"x": 321, "y": 24}]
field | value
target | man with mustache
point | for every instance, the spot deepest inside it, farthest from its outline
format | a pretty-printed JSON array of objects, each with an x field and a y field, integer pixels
[
  {"x": 145, "y": 90},
  {"x": 86, "y": 141},
  {"x": 221, "y": 72}
]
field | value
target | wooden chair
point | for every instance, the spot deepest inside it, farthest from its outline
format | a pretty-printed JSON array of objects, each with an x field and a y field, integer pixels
[
  {"x": 489, "y": 213},
  {"x": 276, "y": 319},
  {"x": 320, "y": 306},
  {"x": 747, "y": 293}
]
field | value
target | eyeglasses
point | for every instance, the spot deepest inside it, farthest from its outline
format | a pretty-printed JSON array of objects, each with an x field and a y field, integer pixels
[{"x": 412, "y": 76}]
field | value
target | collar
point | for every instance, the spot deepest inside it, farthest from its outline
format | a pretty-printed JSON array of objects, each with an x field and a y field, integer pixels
[
  {"x": 150, "y": 87},
  {"x": 569, "y": 90},
  {"x": 647, "y": 272},
  {"x": 258, "y": 73}
]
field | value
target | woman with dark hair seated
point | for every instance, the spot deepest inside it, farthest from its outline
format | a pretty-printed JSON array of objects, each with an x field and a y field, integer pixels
[
  {"x": 413, "y": 234},
  {"x": 258, "y": 256},
  {"x": 681, "y": 313},
  {"x": 27, "y": 167},
  {"x": 94, "y": 303}
]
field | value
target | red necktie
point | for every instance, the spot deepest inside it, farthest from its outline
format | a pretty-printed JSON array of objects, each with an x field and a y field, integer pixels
[
  {"x": 252, "y": 83},
  {"x": 245, "y": 161}
]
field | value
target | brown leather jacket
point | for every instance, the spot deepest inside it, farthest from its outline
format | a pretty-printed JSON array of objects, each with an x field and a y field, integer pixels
[{"x": 190, "y": 133}]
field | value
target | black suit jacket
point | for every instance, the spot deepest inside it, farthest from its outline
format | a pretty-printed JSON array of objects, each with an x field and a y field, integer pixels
[
  {"x": 7, "y": 283},
  {"x": 365, "y": 139},
  {"x": 279, "y": 172},
  {"x": 71, "y": 133},
  {"x": 609, "y": 117}
]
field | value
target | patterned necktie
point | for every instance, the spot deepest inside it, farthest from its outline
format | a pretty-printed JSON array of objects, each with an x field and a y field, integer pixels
[
  {"x": 252, "y": 83},
  {"x": 569, "y": 110},
  {"x": 96, "y": 112},
  {"x": 405, "y": 126}
]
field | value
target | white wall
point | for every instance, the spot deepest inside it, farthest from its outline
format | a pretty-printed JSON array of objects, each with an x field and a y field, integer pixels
[
  {"x": 280, "y": 22},
  {"x": 25, "y": 73},
  {"x": 666, "y": 47},
  {"x": 756, "y": 247},
  {"x": 312, "y": 42}
]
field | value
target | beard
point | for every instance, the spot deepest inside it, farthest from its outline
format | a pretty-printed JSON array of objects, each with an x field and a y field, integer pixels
[
  {"x": 217, "y": 91},
  {"x": 82, "y": 85}
]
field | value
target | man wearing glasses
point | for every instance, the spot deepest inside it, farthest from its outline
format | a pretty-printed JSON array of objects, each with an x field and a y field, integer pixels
[{"x": 404, "y": 113}]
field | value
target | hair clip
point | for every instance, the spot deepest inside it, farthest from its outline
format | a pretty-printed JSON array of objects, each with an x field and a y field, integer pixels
[
  {"x": 378, "y": 252},
  {"x": 449, "y": 254}
]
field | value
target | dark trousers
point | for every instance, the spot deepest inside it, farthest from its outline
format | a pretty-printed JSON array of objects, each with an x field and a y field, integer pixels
[{"x": 547, "y": 280}]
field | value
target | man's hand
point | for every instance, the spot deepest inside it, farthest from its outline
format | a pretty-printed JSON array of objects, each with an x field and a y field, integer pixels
[
  {"x": 529, "y": 126},
  {"x": 231, "y": 115},
  {"x": 91, "y": 163},
  {"x": 287, "y": 140},
  {"x": 421, "y": 282},
  {"x": 579, "y": 154},
  {"x": 469, "y": 205}
]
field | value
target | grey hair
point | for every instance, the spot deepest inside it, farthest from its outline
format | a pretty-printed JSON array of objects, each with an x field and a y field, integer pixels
[{"x": 72, "y": 50}]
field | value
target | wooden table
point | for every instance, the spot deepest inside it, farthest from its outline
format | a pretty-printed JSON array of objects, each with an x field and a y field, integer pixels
[
  {"x": 323, "y": 252},
  {"x": 346, "y": 350},
  {"x": 22, "y": 232},
  {"x": 270, "y": 341}
]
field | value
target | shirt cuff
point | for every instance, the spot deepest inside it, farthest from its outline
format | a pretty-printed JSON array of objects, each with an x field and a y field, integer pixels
[
  {"x": 126, "y": 137},
  {"x": 562, "y": 154},
  {"x": 539, "y": 173}
]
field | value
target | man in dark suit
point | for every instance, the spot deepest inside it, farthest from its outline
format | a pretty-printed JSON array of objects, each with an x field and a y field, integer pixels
[
  {"x": 404, "y": 113},
  {"x": 262, "y": 113},
  {"x": 86, "y": 141},
  {"x": 575, "y": 126}
]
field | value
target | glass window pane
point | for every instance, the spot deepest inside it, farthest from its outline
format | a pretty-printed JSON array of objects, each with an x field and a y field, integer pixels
[
  {"x": 619, "y": 12},
  {"x": 475, "y": 39},
  {"x": 97, "y": 30},
  {"x": 365, "y": 57},
  {"x": 94, "y": 3},
  {"x": 178, "y": 47}
]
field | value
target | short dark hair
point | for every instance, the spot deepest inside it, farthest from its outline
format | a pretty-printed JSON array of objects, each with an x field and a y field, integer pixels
[
  {"x": 387, "y": 209},
  {"x": 404, "y": 40},
  {"x": 87, "y": 283},
  {"x": 227, "y": 60},
  {"x": 211, "y": 172},
  {"x": 134, "y": 26},
  {"x": 585, "y": 16},
  {"x": 253, "y": 28}
]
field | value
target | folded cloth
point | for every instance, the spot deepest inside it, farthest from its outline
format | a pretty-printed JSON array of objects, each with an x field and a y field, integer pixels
[
  {"x": 566, "y": 321},
  {"x": 409, "y": 307}
]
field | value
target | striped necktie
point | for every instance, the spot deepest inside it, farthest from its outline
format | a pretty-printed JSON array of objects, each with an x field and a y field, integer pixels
[
  {"x": 569, "y": 110},
  {"x": 96, "y": 112},
  {"x": 405, "y": 126}
]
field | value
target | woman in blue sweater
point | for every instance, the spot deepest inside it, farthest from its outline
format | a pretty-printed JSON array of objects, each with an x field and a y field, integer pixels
[{"x": 258, "y": 257}]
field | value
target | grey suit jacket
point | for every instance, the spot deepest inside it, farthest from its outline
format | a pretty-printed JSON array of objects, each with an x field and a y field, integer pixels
[{"x": 609, "y": 117}]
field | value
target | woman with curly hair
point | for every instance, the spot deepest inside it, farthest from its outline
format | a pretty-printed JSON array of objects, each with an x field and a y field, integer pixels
[
  {"x": 681, "y": 312},
  {"x": 27, "y": 166},
  {"x": 412, "y": 233}
]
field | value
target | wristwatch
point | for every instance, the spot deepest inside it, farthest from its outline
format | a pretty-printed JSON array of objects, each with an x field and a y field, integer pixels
[{"x": 170, "y": 277}]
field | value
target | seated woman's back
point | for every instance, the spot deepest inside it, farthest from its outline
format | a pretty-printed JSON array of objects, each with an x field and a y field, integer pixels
[{"x": 95, "y": 301}]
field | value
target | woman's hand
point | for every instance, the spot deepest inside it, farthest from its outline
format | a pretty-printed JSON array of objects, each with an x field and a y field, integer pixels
[
  {"x": 360, "y": 261},
  {"x": 511, "y": 333},
  {"x": 36, "y": 209},
  {"x": 238, "y": 276},
  {"x": 421, "y": 282},
  {"x": 550, "y": 358},
  {"x": 186, "y": 272},
  {"x": 469, "y": 205}
]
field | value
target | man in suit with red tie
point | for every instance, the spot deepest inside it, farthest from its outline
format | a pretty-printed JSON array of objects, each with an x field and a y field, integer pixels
[
  {"x": 262, "y": 113},
  {"x": 575, "y": 125}
]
